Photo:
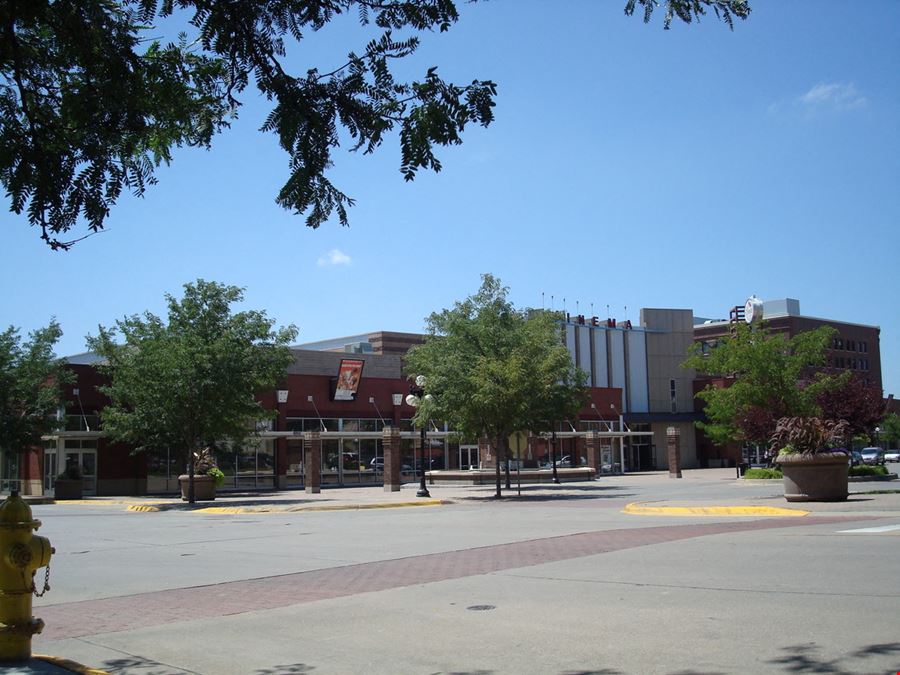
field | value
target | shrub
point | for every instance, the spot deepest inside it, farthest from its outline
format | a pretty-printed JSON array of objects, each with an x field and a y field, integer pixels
[
  {"x": 217, "y": 475},
  {"x": 71, "y": 472},
  {"x": 807, "y": 435},
  {"x": 865, "y": 470},
  {"x": 756, "y": 474}
]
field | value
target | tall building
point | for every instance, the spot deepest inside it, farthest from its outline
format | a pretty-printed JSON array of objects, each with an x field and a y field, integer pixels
[
  {"x": 856, "y": 347},
  {"x": 644, "y": 361}
]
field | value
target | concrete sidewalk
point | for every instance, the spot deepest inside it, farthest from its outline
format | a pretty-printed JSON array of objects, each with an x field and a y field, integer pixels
[{"x": 865, "y": 496}]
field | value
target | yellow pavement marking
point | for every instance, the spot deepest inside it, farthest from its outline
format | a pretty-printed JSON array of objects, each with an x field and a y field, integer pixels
[
  {"x": 70, "y": 665},
  {"x": 639, "y": 509},
  {"x": 143, "y": 508}
]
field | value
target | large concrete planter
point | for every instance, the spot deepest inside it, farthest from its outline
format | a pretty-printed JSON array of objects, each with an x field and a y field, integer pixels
[
  {"x": 68, "y": 488},
  {"x": 204, "y": 487},
  {"x": 814, "y": 478}
]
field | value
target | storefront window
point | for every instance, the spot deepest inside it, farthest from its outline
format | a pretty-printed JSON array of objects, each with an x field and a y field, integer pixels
[{"x": 163, "y": 464}]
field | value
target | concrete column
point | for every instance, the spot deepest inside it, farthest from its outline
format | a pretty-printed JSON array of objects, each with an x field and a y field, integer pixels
[
  {"x": 312, "y": 460},
  {"x": 580, "y": 450},
  {"x": 673, "y": 445},
  {"x": 592, "y": 447},
  {"x": 281, "y": 463},
  {"x": 392, "y": 458}
]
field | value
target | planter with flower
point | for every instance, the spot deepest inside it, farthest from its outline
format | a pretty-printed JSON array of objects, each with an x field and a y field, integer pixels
[
  {"x": 207, "y": 477},
  {"x": 814, "y": 469}
]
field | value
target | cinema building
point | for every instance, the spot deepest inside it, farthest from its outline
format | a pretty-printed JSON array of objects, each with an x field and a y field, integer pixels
[{"x": 637, "y": 393}]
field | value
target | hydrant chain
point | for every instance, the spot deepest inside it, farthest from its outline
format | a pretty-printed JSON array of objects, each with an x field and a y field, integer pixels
[{"x": 46, "y": 585}]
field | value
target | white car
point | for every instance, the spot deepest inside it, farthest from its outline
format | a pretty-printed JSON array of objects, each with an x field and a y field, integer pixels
[{"x": 892, "y": 455}]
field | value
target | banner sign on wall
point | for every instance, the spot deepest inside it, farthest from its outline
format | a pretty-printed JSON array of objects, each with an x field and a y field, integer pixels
[{"x": 349, "y": 376}]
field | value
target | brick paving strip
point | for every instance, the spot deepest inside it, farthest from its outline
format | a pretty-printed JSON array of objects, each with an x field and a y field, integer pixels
[{"x": 142, "y": 610}]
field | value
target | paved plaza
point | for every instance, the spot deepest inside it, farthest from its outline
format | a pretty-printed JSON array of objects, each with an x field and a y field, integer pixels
[{"x": 561, "y": 580}]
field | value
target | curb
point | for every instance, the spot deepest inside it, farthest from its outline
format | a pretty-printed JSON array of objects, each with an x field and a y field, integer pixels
[
  {"x": 69, "y": 665},
  {"x": 638, "y": 509},
  {"x": 234, "y": 510}
]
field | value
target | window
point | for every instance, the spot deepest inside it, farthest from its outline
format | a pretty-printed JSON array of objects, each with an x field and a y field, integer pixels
[
  {"x": 863, "y": 346},
  {"x": 672, "y": 396}
]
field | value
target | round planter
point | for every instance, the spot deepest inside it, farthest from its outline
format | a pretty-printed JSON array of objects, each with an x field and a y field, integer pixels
[
  {"x": 814, "y": 478},
  {"x": 204, "y": 487}
]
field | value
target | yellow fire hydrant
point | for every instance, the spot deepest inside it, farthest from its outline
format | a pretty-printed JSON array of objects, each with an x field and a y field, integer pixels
[{"x": 21, "y": 554}]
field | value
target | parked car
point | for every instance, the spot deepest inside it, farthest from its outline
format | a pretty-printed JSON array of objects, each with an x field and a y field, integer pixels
[
  {"x": 377, "y": 465},
  {"x": 892, "y": 455},
  {"x": 565, "y": 462},
  {"x": 872, "y": 455},
  {"x": 855, "y": 458}
]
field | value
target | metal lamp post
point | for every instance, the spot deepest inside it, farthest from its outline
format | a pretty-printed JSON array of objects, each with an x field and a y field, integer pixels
[
  {"x": 415, "y": 398},
  {"x": 553, "y": 454}
]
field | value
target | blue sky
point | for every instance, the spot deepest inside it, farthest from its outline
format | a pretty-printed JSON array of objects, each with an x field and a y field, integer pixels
[{"x": 628, "y": 166}]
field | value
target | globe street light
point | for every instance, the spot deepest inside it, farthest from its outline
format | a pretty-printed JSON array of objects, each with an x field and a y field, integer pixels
[{"x": 414, "y": 398}]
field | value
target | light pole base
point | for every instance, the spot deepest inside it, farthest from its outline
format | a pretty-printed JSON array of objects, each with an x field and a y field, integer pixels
[{"x": 423, "y": 492}]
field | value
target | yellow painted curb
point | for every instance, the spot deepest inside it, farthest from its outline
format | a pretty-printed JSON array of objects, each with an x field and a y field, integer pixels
[
  {"x": 232, "y": 510},
  {"x": 143, "y": 508},
  {"x": 69, "y": 665},
  {"x": 638, "y": 509}
]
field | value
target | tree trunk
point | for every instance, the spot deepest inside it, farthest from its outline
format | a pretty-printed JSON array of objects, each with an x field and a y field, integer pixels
[
  {"x": 191, "y": 458},
  {"x": 506, "y": 464},
  {"x": 498, "y": 494}
]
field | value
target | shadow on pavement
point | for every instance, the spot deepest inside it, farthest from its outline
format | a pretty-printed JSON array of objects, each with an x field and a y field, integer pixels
[
  {"x": 138, "y": 665},
  {"x": 230, "y": 502},
  {"x": 552, "y": 493},
  {"x": 803, "y": 659},
  {"x": 291, "y": 669}
]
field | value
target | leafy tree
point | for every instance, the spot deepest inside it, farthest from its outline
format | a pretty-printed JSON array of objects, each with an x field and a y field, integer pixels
[
  {"x": 768, "y": 377},
  {"x": 852, "y": 400},
  {"x": 494, "y": 370},
  {"x": 31, "y": 381},
  {"x": 189, "y": 384},
  {"x": 890, "y": 427},
  {"x": 92, "y": 101}
]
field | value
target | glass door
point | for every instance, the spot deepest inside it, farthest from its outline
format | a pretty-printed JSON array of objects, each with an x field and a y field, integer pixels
[
  {"x": 83, "y": 454},
  {"x": 50, "y": 471},
  {"x": 468, "y": 457}
]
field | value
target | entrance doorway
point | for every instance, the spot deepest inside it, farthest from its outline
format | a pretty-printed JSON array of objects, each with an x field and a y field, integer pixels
[
  {"x": 468, "y": 457},
  {"x": 75, "y": 452}
]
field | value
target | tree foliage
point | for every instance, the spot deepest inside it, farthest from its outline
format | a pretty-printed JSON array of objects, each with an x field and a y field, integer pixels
[
  {"x": 850, "y": 399},
  {"x": 691, "y": 10},
  {"x": 494, "y": 370},
  {"x": 92, "y": 100},
  {"x": 31, "y": 381},
  {"x": 890, "y": 427},
  {"x": 767, "y": 377},
  {"x": 189, "y": 383}
]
